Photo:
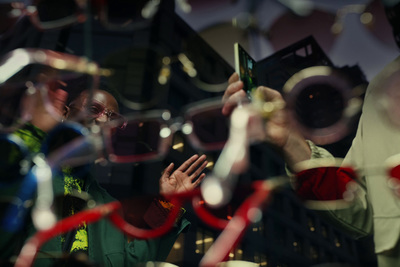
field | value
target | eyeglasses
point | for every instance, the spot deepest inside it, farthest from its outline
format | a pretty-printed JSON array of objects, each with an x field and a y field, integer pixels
[
  {"x": 31, "y": 76},
  {"x": 322, "y": 103},
  {"x": 148, "y": 135},
  {"x": 337, "y": 189},
  {"x": 14, "y": 61},
  {"x": 247, "y": 126},
  {"x": 114, "y": 15},
  {"x": 218, "y": 219},
  {"x": 335, "y": 185},
  {"x": 134, "y": 139},
  {"x": 234, "y": 226},
  {"x": 123, "y": 15},
  {"x": 47, "y": 14},
  {"x": 96, "y": 112},
  {"x": 111, "y": 211},
  {"x": 319, "y": 101}
]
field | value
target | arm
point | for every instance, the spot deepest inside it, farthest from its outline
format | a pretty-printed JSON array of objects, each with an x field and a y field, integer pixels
[
  {"x": 185, "y": 178},
  {"x": 321, "y": 184}
]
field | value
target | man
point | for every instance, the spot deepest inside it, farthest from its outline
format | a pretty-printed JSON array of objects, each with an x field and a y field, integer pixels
[
  {"x": 101, "y": 242},
  {"x": 375, "y": 210}
]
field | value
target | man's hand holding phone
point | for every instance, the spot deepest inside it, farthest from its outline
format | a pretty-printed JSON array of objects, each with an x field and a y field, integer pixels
[{"x": 245, "y": 66}]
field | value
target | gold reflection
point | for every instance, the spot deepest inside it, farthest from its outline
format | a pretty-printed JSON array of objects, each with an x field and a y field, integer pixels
[
  {"x": 204, "y": 240},
  {"x": 178, "y": 143},
  {"x": 178, "y": 146}
]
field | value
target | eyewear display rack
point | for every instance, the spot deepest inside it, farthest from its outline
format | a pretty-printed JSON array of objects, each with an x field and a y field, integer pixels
[{"x": 289, "y": 234}]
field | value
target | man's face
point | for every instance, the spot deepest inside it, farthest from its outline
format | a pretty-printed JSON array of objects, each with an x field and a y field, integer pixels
[{"x": 101, "y": 109}]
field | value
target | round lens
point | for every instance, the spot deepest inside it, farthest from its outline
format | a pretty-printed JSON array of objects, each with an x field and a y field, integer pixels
[
  {"x": 210, "y": 128},
  {"x": 319, "y": 106},
  {"x": 137, "y": 140}
]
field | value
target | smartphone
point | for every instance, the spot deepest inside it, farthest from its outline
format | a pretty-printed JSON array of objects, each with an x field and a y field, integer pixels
[{"x": 245, "y": 66}]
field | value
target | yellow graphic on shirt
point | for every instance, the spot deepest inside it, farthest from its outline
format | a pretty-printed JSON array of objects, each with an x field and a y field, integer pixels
[
  {"x": 81, "y": 239},
  {"x": 71, "y": 184}
]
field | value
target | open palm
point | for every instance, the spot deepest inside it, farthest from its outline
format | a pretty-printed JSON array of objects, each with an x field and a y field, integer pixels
[{"x": 185, "y": 178}]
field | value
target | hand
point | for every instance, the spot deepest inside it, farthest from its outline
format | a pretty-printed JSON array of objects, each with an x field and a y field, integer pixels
[
  {"x": 277, "y": 127},
  {"x": 233, "y": 93},
  {"x": 184, "y": 178},
  {"x": 43, "y": 117}
]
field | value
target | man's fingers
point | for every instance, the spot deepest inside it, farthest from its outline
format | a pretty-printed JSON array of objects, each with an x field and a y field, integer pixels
[
  {"x": 187, "y": 163},
  {"x": 198, "y": 181},
  {"x": 199, "y": 170},
  {"x": 233, "y": 78},
  {"x": 167, "y": 171},
  {"x": 194, "y": 166},
  {"x": 232, "y": 89},
  {"x": 233, "y": 101}
]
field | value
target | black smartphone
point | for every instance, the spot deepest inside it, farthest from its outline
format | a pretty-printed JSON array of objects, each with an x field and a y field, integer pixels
[{"x": 245, "y": 66}]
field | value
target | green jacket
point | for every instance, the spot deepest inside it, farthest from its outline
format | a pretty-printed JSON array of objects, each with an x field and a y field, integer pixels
[{"x": 108, "y": 246}]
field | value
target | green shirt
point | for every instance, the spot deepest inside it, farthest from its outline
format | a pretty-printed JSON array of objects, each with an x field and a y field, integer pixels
[{"x": 106, "y": 244}]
